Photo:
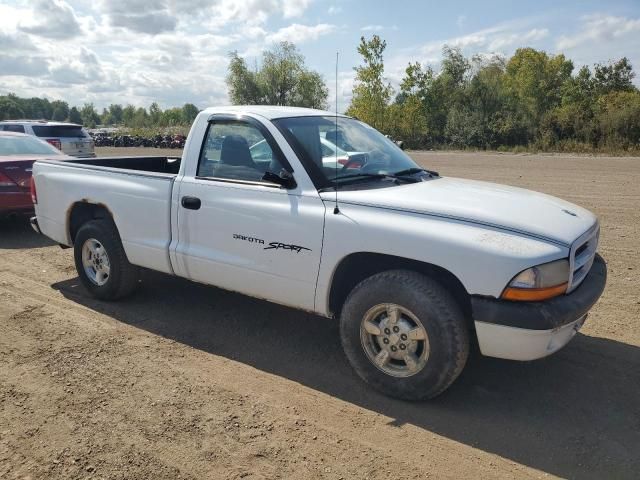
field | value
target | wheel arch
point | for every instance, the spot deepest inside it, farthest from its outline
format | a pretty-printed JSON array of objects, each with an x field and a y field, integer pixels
[
  {"x": 82, "y": 212},
  {"x": 355, "y": 267}
]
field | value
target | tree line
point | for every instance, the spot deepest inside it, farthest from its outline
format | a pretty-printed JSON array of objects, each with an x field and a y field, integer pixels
[
  {"x": 530, "y": 100},
  {"x": 14, "y": 107}
]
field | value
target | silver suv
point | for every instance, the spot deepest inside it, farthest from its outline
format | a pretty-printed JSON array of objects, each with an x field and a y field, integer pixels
[{"x": 71, "y": 138}]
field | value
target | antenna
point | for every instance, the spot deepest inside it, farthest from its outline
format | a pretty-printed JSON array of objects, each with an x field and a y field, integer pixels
[{"x": 336, "y": 210}]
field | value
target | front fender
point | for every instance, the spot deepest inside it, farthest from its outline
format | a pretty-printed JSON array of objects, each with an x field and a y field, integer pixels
[{"x": 483, "y": 258}]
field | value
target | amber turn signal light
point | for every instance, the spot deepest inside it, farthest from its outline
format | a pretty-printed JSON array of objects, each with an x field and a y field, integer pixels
[{"x": 533, "y": 294}]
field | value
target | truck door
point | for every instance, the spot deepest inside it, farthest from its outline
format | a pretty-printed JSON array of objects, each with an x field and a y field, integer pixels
[{"x": 240, "y": 232}]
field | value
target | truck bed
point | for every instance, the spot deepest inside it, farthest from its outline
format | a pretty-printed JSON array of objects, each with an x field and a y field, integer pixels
[
  {"x": 166, "y": 165},
  {"x": 136, "y": 190}
]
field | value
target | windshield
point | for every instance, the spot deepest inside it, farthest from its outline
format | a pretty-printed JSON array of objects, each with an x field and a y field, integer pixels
[
  {"x": 339, "y": 152},
  {"x": 18, "y": 145}
]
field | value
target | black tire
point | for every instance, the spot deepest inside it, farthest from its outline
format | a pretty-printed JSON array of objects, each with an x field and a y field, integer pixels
[
  {"x": 123, "y": 277},
  {"x": 434, "y": 307}
]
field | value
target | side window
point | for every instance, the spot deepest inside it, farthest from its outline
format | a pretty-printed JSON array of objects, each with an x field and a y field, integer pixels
[
  {"x": 13, "y": 128},
  {"x": 237, "y": 151}
]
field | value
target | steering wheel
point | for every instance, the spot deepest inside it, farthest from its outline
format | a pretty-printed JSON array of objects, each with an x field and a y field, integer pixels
[{"x": 361, "y": 158}]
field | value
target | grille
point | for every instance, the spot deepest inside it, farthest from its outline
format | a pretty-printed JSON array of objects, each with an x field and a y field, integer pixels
[{"x": 583, "y": 253}]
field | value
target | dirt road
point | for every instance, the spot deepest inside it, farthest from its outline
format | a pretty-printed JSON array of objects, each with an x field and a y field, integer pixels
[{"x": 188, "y": 381}]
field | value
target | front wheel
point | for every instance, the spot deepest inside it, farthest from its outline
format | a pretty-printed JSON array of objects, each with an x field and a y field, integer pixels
[
  {"x": 101, "y": 261},
  {"x": 404, "y": 334}
]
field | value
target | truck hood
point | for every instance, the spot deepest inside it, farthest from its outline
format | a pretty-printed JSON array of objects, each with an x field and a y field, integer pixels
[{"x": 508, "y": 208}]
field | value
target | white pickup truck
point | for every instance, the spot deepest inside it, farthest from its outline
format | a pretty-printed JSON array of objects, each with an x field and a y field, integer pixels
[{"x": 415, "y": 265}]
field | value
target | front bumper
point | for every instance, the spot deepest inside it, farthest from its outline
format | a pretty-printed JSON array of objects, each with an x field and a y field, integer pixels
[{"x": 530, "y": 330}]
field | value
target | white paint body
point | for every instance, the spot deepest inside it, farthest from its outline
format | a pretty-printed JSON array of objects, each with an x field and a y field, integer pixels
[{"x": 482, "y": 233}]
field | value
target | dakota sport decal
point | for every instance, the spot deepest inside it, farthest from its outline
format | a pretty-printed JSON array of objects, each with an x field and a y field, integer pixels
[
  {"x": 272, "y": 245},
  {"x": 284, "y": 246}
]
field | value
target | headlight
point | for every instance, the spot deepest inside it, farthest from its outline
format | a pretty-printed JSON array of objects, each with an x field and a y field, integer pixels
[{"x": 539, "y": 283}]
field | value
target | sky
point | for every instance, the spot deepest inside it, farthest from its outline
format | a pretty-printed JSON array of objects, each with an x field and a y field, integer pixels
[{"x": 176, "y": 51}]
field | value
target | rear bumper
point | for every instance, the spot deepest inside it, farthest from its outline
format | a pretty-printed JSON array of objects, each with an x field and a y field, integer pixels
[
  {"x": 530, "y": 330},
  {"x": 18, "y": 202},
  {"x": 34, "y": 224}
]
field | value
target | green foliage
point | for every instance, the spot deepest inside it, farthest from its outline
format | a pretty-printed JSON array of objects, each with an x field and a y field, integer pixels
[
  {"x": 618, "y": 119},
  {"x": 283, "y": 79},
  {"x": 614, "y": 77},
  {"x": 13, "y": 107},
  {"x": 372, "y": 92},
  {"x": 533, "y": 82},
  {"x": 74, "y": 115},
  {"x": 90, "y": 117},
  {"x": 10, "y": 108},
  {"x": 529, "y": 101}
]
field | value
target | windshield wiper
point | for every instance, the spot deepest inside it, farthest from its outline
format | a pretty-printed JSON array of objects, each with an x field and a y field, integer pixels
[
  {"x": 403, "y": 175},
  {"x": 361, "y": 175},
  {"x": 381, "y": 176},
  {"x": 413, "y": 171}
]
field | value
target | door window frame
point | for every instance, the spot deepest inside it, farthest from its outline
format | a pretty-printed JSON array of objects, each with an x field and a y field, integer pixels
[{"x": 217, "y": 119}]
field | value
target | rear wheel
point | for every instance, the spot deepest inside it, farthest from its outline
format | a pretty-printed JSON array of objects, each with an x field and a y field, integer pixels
[
  {"x": 404, "y": 334},
  {"x": 101, "y": 261}
]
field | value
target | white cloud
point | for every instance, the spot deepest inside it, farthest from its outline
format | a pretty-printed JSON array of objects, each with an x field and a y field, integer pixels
[
  {"x": 346, "y": 80},
  {"x": 503, "y": 38},
  {"x": 372, "y": 28},
  {"x": 51, "y": 19},
  {"x": 334, "y": 10},
  {"x": 140, "y": 16},
  {"x": 15, "y": 42},
  {"x": 11, "y": 65},
  {"x": 600, "y": 28},
  {"x": 294, "y": 8},
  {"x": 508, "y": 40},
  {"x": 297, "y": 33}
]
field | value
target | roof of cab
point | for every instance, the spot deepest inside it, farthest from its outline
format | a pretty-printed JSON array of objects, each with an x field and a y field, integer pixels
[{"x": 270, "y": 112}]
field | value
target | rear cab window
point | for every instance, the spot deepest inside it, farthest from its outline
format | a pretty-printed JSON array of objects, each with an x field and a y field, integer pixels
[{"x": 59, "y": 131}]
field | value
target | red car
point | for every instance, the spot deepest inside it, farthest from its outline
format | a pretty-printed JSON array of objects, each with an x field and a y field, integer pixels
[{"x": 17, "y": 154}]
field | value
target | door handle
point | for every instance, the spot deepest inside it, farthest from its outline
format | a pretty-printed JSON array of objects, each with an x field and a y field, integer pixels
[{"x": 192, "y": 203}]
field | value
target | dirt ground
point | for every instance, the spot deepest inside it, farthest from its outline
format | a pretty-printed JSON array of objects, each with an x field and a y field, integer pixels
[{"x": 185, "y": 381}]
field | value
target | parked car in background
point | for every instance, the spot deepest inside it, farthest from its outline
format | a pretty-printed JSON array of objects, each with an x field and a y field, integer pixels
[
  {"x": 70, "y": 138},
  {"x": 261, "y": 151},
  {"x": 18, "y": 151}
]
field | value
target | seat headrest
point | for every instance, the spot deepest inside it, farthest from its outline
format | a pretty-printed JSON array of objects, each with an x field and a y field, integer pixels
[{"x": 235, "y": 151}]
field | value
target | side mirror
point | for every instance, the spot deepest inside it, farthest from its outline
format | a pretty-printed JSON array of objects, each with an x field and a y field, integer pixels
[{"x": 284, "y": 179}]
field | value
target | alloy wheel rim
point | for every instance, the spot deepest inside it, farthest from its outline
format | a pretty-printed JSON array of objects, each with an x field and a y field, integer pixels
[
  {"x": 394, "y": 340},
  {"x": 95, "y": 262}
]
